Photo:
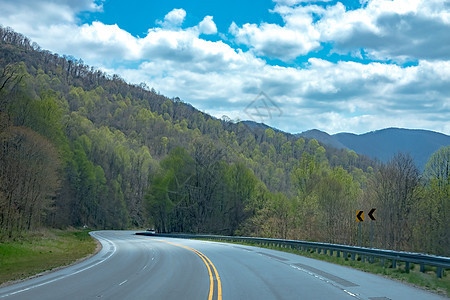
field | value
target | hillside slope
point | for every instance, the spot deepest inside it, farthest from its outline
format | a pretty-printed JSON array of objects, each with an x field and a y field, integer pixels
[{"x": 110, "y": 141}]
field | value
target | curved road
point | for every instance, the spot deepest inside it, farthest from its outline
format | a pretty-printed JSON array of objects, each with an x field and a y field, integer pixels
[{"x": 142, "y": 267}]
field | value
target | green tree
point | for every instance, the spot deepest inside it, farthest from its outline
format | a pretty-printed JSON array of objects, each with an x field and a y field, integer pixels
[
  {"x": 433, "y": 211},
  {"x": 241, "y": 183},
  {"x": 305, "y": 178},
  {"x": 28, "y": 179},
  {"x": 168, "y": 195},
  {"x": 393, "y": 189},
  {"x": 337, "y": 198},
  {"x": 299, "y": 147}
]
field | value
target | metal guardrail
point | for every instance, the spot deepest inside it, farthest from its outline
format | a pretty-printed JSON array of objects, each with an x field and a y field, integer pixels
[{"x": 365, "y": 254}]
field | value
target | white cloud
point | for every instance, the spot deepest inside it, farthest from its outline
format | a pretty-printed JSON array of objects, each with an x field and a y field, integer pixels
[
  {"x": 207, "y": 26},
  {"x": 174, "y": 18},
  {"x": 102, "y": 44},
  {"x": 344, "y": 96},
  {"x": 400, "y": 30},
  {"x": 274, "y": 41},
  {"x": 34, "y": 17},
  {"x": 297, "y": 37}
]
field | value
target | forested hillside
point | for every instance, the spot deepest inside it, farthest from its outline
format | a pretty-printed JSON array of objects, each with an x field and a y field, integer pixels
[{"x": 80, "y": 147}]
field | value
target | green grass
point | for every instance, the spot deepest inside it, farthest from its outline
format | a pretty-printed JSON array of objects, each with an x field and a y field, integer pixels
[
  {"x": 43, "y": 251},
  {"x": 427, "y": 280}
]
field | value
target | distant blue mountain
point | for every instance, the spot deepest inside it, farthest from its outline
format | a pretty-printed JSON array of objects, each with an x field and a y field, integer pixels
[
  {"x": 385, "y": 143},
  {"x": 322, "y": 137}
]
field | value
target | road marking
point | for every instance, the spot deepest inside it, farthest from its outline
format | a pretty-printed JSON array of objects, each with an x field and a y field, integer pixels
[
  {"x": 65, "y": 276},
  {"x": 123, "y": 282},
  {"x": 219, "y": 285},
  {"x": 337, "y": 279},
  {"x": 351, "y": 294},
  {"x": 325, "y": 280},
  {"x": 208, "y": 263}
]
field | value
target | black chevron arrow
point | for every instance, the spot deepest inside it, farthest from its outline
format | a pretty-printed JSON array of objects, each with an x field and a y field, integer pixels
[
  {"x": 370, "y": 214},
  {"x": 360, "y": 216}
]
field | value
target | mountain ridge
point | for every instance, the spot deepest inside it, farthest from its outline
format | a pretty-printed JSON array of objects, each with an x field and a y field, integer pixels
[{"x": 384, "y": 143}]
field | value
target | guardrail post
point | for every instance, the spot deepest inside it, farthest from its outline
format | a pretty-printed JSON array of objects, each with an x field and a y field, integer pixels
[
  {"x": 338, "y": 254},
  {"x": 331, "y": 252},
  {"x": 439, "y": 272},
  {"x": 382, "y": 262},
  {"x": 353, "y": 256},
  {"x": 394, "y": 264},
  {"x": 407, "y": 266},
  {"x": 422, "y": 268}
]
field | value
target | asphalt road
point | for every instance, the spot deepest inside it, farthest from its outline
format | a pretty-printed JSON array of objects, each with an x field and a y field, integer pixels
[{"x": 141, "y": 267}]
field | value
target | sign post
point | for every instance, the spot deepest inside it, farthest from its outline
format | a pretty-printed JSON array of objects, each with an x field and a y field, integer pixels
[
  {"x": 359, "y": 219},
  {"x": 372, "y": 218}
]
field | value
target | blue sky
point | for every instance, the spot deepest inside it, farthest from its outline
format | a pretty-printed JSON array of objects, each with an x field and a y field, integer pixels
[
  {"x": 338, "y": 66},
  {"x": 137, "y": 16}
]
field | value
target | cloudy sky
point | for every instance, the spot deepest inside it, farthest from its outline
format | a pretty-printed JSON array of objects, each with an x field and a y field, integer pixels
[{"x": 338, "y": 66}]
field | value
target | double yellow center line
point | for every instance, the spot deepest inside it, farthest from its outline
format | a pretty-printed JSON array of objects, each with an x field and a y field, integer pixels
[{"x": 209, "y": 265}]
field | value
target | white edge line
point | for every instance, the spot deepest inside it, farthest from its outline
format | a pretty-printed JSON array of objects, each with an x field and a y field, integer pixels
[
  {"x": 65, "y": 276},
  {"x": 123, "y": 282},
  {"x": 351, "y": 294},
  {"x": 325, "y": 280}
]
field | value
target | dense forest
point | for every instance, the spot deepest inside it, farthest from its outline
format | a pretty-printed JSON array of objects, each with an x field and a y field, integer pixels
[{"x": 80, "y": 147}]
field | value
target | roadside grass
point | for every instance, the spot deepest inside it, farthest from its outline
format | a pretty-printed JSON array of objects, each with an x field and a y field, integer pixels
[
  {"x": 41, "y": 251},
  {"x": 427, "y": 280}
]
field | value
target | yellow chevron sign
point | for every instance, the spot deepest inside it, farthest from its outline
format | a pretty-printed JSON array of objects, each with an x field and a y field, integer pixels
[{"x": 359, "y": 216}]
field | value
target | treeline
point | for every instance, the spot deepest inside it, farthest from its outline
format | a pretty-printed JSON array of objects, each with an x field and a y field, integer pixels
[
  {"x": 80, "y": 147},
  {"x": 188, "y": 194}
]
